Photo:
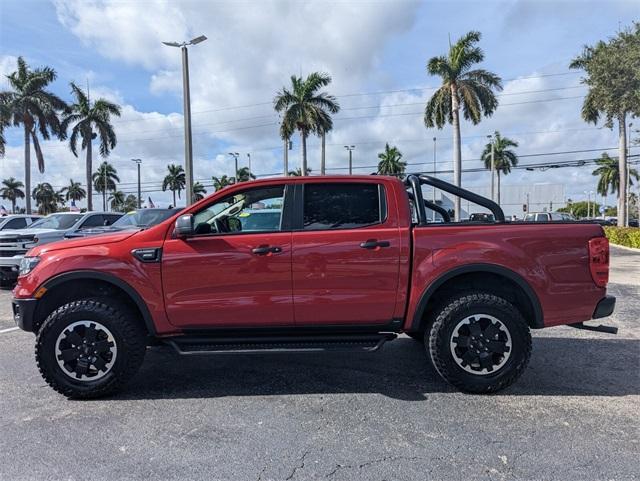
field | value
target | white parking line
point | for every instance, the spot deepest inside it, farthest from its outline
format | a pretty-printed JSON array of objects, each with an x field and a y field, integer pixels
[{"x": 9, "y": 330}]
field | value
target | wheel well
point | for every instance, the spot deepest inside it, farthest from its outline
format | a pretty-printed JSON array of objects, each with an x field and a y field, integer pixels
[
  {"x": 492, "y": 282},
  {"x": 79, "y": 288}
]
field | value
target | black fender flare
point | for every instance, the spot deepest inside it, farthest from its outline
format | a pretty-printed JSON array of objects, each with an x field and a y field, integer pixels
[
  {"x": 538, "y": 318},
  {"x": 110, "y": 279}
]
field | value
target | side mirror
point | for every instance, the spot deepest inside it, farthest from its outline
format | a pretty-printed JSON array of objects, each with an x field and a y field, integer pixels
[{"x": 184, "y": 225}]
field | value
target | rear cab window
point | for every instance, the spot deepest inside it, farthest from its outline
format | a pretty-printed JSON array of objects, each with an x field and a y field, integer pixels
[{"x": 343, "y": 205}]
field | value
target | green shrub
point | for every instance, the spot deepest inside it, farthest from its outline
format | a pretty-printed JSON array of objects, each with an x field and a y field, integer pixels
[{"x": 624, "y": 236}]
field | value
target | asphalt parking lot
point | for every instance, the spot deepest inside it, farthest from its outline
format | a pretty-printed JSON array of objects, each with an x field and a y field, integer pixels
[{"x": 387, "y": 416}]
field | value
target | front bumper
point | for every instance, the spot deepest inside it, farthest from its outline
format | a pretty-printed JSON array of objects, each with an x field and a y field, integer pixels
[
  {"x": 9, "y": 268},
  {"x": 605, "y": 307},
  {"x": 23, "y": 313}
]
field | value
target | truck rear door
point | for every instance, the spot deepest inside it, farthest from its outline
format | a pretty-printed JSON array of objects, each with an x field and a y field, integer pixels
[{"x": 345, "y": 254}]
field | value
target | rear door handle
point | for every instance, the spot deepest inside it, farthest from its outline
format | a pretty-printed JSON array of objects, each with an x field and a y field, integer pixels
[
  {"x": 373, "y": 243},
  {"x": 264, "y": 250}
]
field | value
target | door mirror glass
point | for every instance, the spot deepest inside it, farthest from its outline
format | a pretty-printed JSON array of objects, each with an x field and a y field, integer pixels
[{"x": 184, "y": 225}]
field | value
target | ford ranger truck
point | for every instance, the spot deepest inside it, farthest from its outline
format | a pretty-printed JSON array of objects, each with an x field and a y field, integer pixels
[{"x": 350, "y": 263}]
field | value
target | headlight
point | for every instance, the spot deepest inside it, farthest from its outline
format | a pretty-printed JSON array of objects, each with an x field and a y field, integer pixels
[{"x": 27, "y": 264}]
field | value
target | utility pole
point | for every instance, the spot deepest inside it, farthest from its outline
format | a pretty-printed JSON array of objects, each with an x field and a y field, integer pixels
[
  {"x": 350, "y": 148},
  {"x": 188, "y": 146},
  {"x": 286, "y": 157},
  {"x": 528, "y": 209},
  {"x": 493, "y": 167},
  {"x": 235, "y": 158},
  {"x": 628, "y": 189},
  {"x": 249, "y": 157},
  {"x": 434, "y": 174},
  {"x": 138, "y": 162},
  {"x": 588, "y": 194}
]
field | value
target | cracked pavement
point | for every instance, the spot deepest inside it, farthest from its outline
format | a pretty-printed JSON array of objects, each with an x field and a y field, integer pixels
[{"x": 386, "y": 416}]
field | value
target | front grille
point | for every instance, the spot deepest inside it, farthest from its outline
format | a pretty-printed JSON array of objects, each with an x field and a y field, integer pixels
[{"x": 18, "y": 252}]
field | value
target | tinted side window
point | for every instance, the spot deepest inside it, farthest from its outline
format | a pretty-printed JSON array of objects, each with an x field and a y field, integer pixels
[
  {"x": 18, "y": 223},
  {"x": 110, "y": 219},
  {"x": 342, "y": 206},
  {"x": 93, "y": 221}
]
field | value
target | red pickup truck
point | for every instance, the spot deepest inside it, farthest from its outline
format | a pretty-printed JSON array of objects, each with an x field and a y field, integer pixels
[{"x": 311, "y": 264}]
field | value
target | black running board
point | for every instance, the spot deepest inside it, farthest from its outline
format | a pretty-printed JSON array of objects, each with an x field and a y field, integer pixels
[
  {"x": 189, "y": 346},
  {"x": 600, "y": 328}
]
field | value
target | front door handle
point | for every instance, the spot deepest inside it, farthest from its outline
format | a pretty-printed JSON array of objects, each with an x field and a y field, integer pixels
[
  {"x": 373, "y": 243},
  {"x": 264, "y": 250}
]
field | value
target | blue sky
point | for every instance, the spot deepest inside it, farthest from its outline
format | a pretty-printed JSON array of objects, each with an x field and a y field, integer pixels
[{"x": 253, "y": 47}]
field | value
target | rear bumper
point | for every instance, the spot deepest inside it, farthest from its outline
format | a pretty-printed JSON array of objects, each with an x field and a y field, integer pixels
[
  {"x": 605, "y": 307},
  {"x": 23, "y": 313}
]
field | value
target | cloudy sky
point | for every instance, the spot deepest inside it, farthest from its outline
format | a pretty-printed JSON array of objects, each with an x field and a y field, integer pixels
[{"x": 375, "y": 51}]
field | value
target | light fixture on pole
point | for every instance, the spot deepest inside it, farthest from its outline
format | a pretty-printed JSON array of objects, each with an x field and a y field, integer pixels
[
  {"x": 188, "y": 146},
  {"x": 235, "y": 158},
  {"x": 138, "y": 162},
  {"x": 350, "y": 148}
]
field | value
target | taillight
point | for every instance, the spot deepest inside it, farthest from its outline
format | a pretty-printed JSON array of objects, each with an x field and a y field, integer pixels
[{"x": 599, "y": 260}]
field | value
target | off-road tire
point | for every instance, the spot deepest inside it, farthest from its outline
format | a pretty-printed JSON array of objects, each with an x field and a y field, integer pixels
[
  {"x": 440, "y": 333},
  {"x": 130, "y": 339}
]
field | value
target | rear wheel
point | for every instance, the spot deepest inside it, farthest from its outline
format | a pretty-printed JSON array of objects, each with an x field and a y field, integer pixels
[
  {"x": 479, "y": 342},
  {"x": 89, "y": 348}
]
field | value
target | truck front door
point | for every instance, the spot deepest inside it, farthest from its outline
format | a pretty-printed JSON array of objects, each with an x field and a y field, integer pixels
[{"x": 236, "y": 270}]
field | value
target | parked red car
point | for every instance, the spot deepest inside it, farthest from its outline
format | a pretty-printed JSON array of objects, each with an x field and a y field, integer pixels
[{"x": 350, "y": 263}]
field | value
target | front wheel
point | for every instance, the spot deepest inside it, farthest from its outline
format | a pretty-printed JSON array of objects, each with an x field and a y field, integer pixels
[
  {"x": 89, "y": 348},
  {"x": 479, "y": 342}
]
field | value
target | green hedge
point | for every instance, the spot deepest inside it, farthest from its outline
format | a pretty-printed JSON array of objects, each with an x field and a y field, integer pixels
[{"x": 624, "y": 236}]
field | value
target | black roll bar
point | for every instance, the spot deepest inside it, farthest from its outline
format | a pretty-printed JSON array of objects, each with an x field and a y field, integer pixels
[
  {"x": 435, "y": 207},
  {"x": 416, "y": 180}
]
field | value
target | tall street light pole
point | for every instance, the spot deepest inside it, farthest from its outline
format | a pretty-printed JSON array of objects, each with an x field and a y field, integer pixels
[
  {"x": 493, "y": 167},
  {"x": 138, "y": 162},
  {"x": 235, "y": 158},
  {"x": 249, "y": 157},
  {"x": 628, "y": 189},
  {"x": 350, "y": 148},
  {"x": 188, "y": 146},
  {"x": 434, "y": 174}
]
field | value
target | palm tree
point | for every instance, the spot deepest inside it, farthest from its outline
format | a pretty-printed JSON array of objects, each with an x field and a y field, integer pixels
[
  {"x": 503, "y": 158},
  {"x": 391, "y": 161},
  {"x": 130, "y": 203},
  {"x": 221, "y": 182},
  {"x": 612, "y": 77},
  {"x": 298, "y": 172},
  {"x": 174, "y": 180},
  {"x": 609, "y": 172},
  {"x": 12, "y": 190},
  {"x": 116, "y": 200},
  {"x": 86, "y": 118},
  {"x": 4, "y": 122},
  {"x": 305, "y": 109},
  {"x": 198, "y": 191},
  {"x": 46, "y": 198},
  {"x": 31, "y": 105},
  {"x": 74, "y": 191},
  {"x": 462, "y": 87},
  {"x": 104, "y": 180},
  {"x": 244, "y": 175}
]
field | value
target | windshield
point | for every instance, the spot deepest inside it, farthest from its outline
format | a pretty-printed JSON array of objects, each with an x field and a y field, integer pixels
[
  {"x": 143, "y": 218},
  {"x": 56, "y": 221}
]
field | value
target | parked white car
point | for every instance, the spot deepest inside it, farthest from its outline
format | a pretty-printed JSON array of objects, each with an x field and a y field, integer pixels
[{"x": 17, "y": 221}]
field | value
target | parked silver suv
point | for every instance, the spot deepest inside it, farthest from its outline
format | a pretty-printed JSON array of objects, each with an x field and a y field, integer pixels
[
  {"x": 14, "y": 244},
  {"x": 17, "y": 221}
]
